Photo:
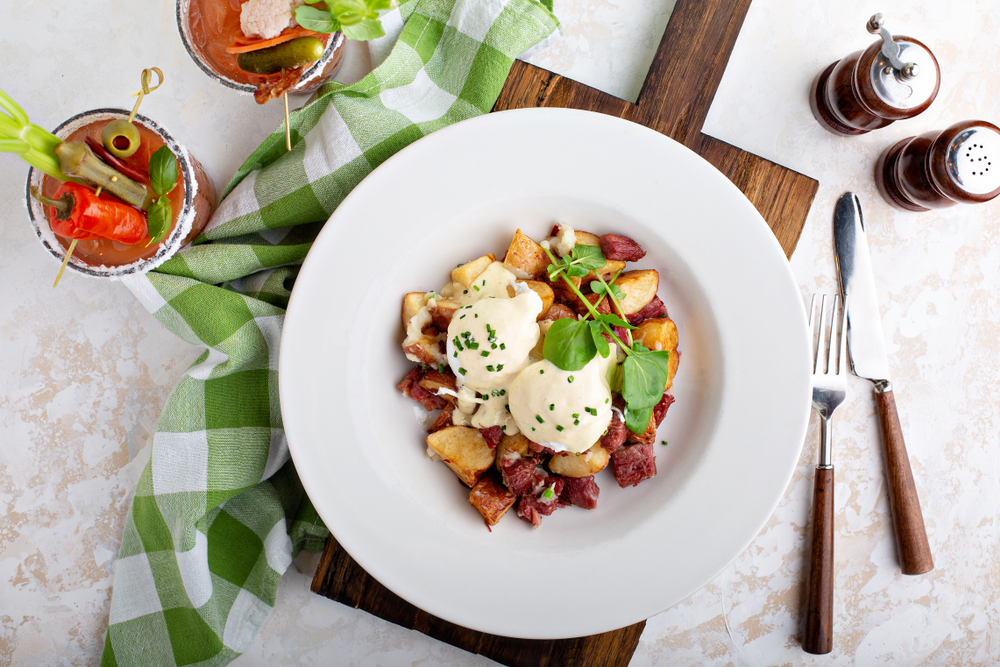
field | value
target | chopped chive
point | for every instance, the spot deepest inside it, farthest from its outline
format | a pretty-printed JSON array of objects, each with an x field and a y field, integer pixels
[
  {"x": 499, "y": 367},
  {"x": 606, "y": 400},
  {"x": 576, "y": 422},
  {"x": 465, "y": 291},
  {"x": 490, "y": 369},
  {"x": 539, "y": 418},
  {"x": 592, "y": 411},
  {"x": 663, "y": 442},
  {"x": 475, "y": 287},
  {"x": 484, "y": 353},
  {"x": 570, "y": 379},
  {"x": 493, "y": 346},
  {"x": 462, "y": 371},
  {"x": 532, "y": 428},
  {"x": 576, "y": 415},
  {"x": 559, "y": 428},
  {"x": 461, "y": 317},
  {"x": 548, "y": 494},
  {"x": 541, "y": 371},
  {"x": 503, "y": 391},
  {"x": 440, "y": 368},
  {"x": 484, "y": 283},
  {"x": 473, "y": 346},
  {"x": 503, "y": 346},
  {"x": 503, "y": 428},
  {"x": 476, "y": 315},
  {"x": 552, "y": 406}
]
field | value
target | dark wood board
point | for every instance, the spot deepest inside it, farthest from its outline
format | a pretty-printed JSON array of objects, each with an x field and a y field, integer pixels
[{"x": 674, "y": 100}]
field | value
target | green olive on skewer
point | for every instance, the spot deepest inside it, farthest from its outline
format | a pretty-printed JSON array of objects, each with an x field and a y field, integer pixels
[{"x": 121, "y": 138}]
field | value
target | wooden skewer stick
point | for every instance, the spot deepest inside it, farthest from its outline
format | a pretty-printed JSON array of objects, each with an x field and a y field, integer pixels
[
  {"x": 69, "y": 253},
  {"x": 288, "y": 128}
]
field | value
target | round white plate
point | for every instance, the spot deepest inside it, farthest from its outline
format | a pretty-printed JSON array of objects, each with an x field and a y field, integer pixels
[{"x": 742, "y": 389}]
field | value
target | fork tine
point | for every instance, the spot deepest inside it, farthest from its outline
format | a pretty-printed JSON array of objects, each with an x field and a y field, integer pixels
[
  {"x": 822, "y": 347},
  {"x": 812, "y": 332}
]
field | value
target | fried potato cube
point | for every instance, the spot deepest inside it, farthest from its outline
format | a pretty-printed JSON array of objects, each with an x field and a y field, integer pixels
[
  {"x": 543, "y": 290},
  {"x": 647, "y": 437},
  {"x": 469, "y": 271},
  {"x": 492, "y": 499},
  {"x": 433, "y": 382},
  {"x": 640, "y": 287},
  {"x": 441, "y": 312},
  {"x": 412, "y": 303},
  {"x": 525, "y": 258},
  {"x": 660, "y": 334},
  {"x": 585, "y": 464},
  {"x": 444, "y": 419},
  {"x": 424, "y": 351},
  {"x": 512, "y": 445},
  {"x": 464, "y": 450}
]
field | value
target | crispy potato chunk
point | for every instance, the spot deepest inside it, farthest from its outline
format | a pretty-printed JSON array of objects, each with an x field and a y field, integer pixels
[
  {"x": 443, "y": 420},
  {"x": 424, "y": 351},
  {"x": 492, "y": 499},
  {"x": 469, "y": 271},
  {"x": 412, "y": 303},
  {"x": 441, "y": 312},
  {"x": 510, "y": 445},
  {"x": 647, "y": 437},
  {"x": 660, "y": 334},
  {"x": 640, "y": 287},
  {"x": 525, "y": 258},
  {"x": 541, "y": 289},
  {"x": 433, "y": 381},
  {"x": 588, "y": 463},
  {"x": 464, "y": 450}
]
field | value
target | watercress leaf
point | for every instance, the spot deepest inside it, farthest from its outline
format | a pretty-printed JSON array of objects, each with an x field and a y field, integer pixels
[
  {"x": 616, "y": 378},
  {"x": 569, "y": 344},
  {"x": 615, "y": 321},
  {"x": 644, "y": 382},
  {"x": 637, "y": 420},
  {"x": 597, "y": 287},
  {"x": 162, "y": 171},
  {"x": 617, "y": 291},
  {"x": 588, "y": 257},
  {"x": 317, "y": 20},
  {"x": 577, "y": 271},
  {"x": 600, "y": 342},
  {"x": 159, "y": 216},
  {"x": 367, "y": 30}
]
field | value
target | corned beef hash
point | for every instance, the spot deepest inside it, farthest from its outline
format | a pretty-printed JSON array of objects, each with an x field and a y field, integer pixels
[{"x": 546, "y": 366}]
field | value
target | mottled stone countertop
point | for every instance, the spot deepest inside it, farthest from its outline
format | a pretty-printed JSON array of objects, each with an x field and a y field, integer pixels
[{"x": 85, "y": 370}]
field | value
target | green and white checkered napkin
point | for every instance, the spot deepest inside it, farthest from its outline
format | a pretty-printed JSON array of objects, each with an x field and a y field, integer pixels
[{"x": 219, "y": 512}]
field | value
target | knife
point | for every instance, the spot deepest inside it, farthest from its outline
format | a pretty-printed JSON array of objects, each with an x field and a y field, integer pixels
[{"x": 868, "y": 360}]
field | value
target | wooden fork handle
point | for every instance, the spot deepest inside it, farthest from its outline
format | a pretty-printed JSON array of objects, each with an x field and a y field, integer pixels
[
  {"x": 817, "y": 636},
  {"x": 907, "y": 519}
]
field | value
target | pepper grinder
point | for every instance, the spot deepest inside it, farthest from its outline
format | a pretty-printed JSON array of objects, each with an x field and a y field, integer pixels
[
  {"x": 938, "y": 169},
  {"x": 894, "y": 78}
]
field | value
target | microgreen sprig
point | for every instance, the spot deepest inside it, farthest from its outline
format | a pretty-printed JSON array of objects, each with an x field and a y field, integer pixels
[{"x": 571, "y": 344}]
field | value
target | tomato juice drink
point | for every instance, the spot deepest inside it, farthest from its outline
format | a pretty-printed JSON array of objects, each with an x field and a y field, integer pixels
[{"x": 191, "y": 200}]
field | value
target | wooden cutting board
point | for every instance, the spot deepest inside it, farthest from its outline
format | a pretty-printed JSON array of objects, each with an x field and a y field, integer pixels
[{"x": 674, "y": 100}]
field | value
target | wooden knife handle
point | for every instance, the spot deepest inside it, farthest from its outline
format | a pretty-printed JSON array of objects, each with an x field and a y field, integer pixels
[
  {"x": 817, "y": 637},
  {"x": 907, "y": 519}
]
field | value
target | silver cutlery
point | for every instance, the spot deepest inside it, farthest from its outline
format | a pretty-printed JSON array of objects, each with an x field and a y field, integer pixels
[
  {"x": 868, "y": 360},
  {"x": 829, "y": 380}
]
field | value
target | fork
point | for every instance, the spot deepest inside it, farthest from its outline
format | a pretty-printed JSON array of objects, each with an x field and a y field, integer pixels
[{"x": 829, "y": 380}]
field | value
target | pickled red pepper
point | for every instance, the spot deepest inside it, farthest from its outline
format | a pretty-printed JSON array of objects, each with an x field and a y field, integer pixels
[{"x": 75, "y": 212}]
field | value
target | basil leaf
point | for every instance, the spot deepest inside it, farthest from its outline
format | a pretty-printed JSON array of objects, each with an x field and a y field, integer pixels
[
  {"x": 162, "y": 171},
  {"x": 600, "y": 342},
  {"x": 638, "y": 420},
  {"x": 588, "y": 257},
  {"x": 644, "y": 381},
  {"x": 569, "y": 344},
  {"x": 159, "y": 218},
  {"x": 317, "y": 20}
]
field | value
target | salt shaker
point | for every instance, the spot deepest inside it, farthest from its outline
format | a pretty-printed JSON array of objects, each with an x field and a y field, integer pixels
[
  {"x": 894, "y": 78},
  {"x": 938, "y": 169}
]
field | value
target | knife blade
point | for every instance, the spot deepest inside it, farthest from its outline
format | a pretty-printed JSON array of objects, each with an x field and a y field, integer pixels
[{"x": 866, "y": 348}]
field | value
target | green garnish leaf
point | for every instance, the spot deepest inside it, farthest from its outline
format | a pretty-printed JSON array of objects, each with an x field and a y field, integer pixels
[
  {"x": 645, "y": 378},
  {"x": 597, "y": 287},
  {"x": 569, "y": 344},
  {"x": 548, "y": 494},
  {"x": 159, "y": 217},
  {"x": 588, "y": 257},
  {"x": 600, "y": 342},
  {"x": 637, "y": 420},
  {"x": 317, "y": 20},
  {"x": 613, "y": 320},
  {"x": 357, "y": 19},
  {"x": 162, "y": 171},
  {"x": 365, "y": 31}
]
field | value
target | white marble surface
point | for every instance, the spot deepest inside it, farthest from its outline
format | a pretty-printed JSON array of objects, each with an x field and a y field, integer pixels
[{"x": 84, "y": 370}]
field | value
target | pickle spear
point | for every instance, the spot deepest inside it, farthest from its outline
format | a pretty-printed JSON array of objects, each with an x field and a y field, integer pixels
[
  {"x": 77, "y": 160},
  {"x": 291, "y": 54}
]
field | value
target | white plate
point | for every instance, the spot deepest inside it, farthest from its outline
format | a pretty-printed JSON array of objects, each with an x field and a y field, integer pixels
[{"x": 742, "y": 388}]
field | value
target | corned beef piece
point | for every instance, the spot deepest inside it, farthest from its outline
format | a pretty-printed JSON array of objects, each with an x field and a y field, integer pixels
[
  {"x": 633, "y": 464},
  {"x": 492, "y": 435},
  {"x": 580, "y": 491},
  {"x": 615, "y": 437},
  {"x": 653, "y": 309},
  {"x": 660, "y": 409},
  {"x": 410, "y": 386},
  {"x": 519, "y": 474},
  {"x": 621, "y": 248},
  {"x": 531, "y": 507}
]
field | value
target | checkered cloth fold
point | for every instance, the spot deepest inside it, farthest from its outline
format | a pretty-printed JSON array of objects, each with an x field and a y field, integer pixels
[{"x": 219, "y": 512}]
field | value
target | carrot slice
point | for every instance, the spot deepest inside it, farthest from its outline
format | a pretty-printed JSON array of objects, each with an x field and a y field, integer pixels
[{"x": 247, "y": 44}]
